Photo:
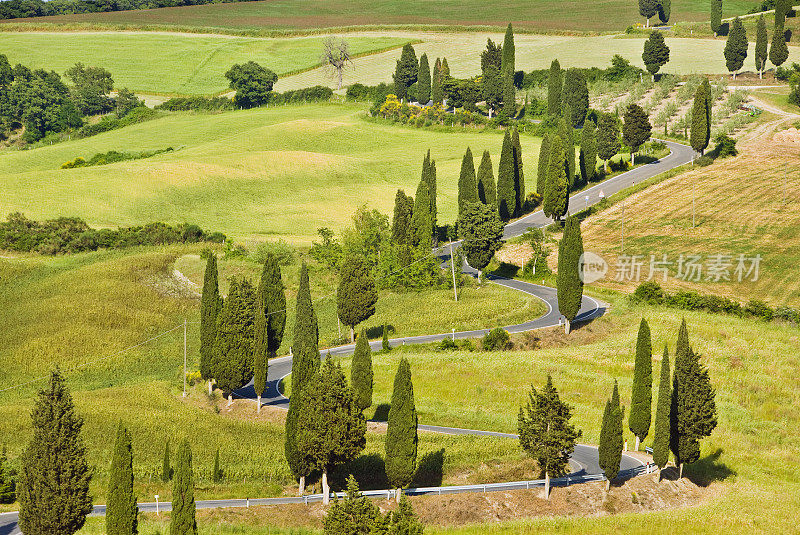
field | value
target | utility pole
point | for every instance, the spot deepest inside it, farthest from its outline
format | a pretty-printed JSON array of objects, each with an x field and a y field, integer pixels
[
  {"x": 453, "y": 269},
  {"x": 184, "y": 357}
]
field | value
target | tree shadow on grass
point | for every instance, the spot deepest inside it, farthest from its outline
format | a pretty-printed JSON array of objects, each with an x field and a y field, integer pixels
[
  {"x": 430, "y": 470},
  {"x": 369, "y": 470},
  {"x": 376, "y": 331},
  {"x": 708, "y": 469},
  {"x": 381, "y": 413}
]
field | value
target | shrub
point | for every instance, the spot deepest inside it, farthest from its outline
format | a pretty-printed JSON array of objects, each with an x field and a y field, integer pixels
[
  {"x": 447, "y": 344},
  {"x": 197, "y": 103},
  {"x": 759, "y": 309},
  {"x": 496, "y": 339},
  {"x": 725, "y": 146},
  {"x": 282, "y": 251},
  {"x": 704, "y": 161},
  {"x": 649, "y": 292}
]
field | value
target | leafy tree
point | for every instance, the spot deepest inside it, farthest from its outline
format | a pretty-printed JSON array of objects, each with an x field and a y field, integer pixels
[
  {"x": 716, "y": 16},
  {"x": 569, "y": 284},
  {"x": 555, "y": 84},
  {"x": 545, "y": 431},
  {"x": 588, "y": 154},
  {"x": 701, "y": 118},
  {"x": 506, "y": 190},
  {"x": 436, "y": 84},
  {"x": 736, "y": 47},
  {"x": 610, "y": 448},
  {"x": 305, "y": 363},
  {"x": 233, "y": 348},
  {"x": 182, "y": 519},
  {"x": 210, "y": 306},
  {"x": 636, "y": 128},
  {"x": 121, "y": 509},
  {"x": 424, "y": 80},
  {"x": 482, "y": 232},
  {"x": 648, "y": 9},
  {"x": 576, "y": 96},
  {"x": 507, "y": 71},
  {"x": 661, "y": 434},
  {"x": 608, "y": 144},
  {"x": 406, "y": 71},
  {"x": 252, "y": 83},
  {"x": 656, "y": 53},
  {"x": 567, "y": 135},
  {"x": 217, "y": 474},
  {"x": 761, "y": 46},
  {"x": 270, "y": 320},
  {"x": 166, "y": 467},
  {"x": 401, "y": 222},
  {"x": 642, "y": 394},
  {"x": 401, "y": 431},
  {"x": 493, "y": 89},
  {"x": 544, "y": 160},
  {"x": 54, "y": 478},
  {"x": 778, "y": 51},
  {"x": 555, "y": 202},
  {"x": 6, "y": 72},
  {"x": 519, "y": 176},
  {"x": 361, "y": 377},
  {"x": 357, "y": 294},
  {"x": 467, "y": 183},
  {"x": 693, "y": 412},
  {"x": 330, "y": 427},
  {"x": 8, "y": 490},
  {"x": 355, "y": 515},
  {"x": 92, "y": 86},
  {"x": 487, "y": 192},
  {"x": 491, "y": 55},
  {"x": 664, "y": 10}
]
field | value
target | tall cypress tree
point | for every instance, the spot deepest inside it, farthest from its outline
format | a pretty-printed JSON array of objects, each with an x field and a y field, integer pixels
[
  {"x": 405, "y": 73},
  {"x": 569, "y": 285},
  {"x": 8, "y": 489},
  {"x": 701, "y": 118},
  {"x": 555, "y": 202},
  {"x": 421, "y": 219},
  {"x": 54, "y": 477},
  {"x": 648, "y": 9},
  {"x": 429, "y": 176},
  {"x": 424, "y": 80},
  {"x": 555, "y": 84},
  {"x": 183, "y": 520},
  {"x": 487, "y": 191},
  {"x": 436, "y": 83},
  {"x": 661, "y": 432},
  {"x": 736, "y": 47},
  {"x": 445, "y": 69},
  {"x": 401, "y": 222},
  {"x": 576, "y": 96},
  {"x": 233, "y": 348},
  {"x": 210, "y": 307},
  {"x": 305, "y": 363},
  {"x": 778, "y": 51},
  {"x": 507, "y": 71},
  {"x": 693, "y": 412},
  {"x": 519, "y": 175},
  {"x": 121, "y": 511},
  {"x": 761, "y": 46},
  {"x": 607, "y": 138},
  {"x": 361, "y": 377},
  {"x": 270, "y": 320},
  {"x": 610, "y": 448},
  {"x": 357, "y": 293},
  {"x": 401, "y": 431},
  {"x": 166, "y": 467},
  {"x": 544, "y": 160},
  {"x": 716, "y": 16},
  {"x": 506, "y": 191},
  {"x": 642, "y": 394},
  {"x": 467, "y": 183},
  {"x": 664, "y": 10},
  {"x": 567, "y": 135},
  {"x": 588, "y": 154},
  {"x": 217, "y": 474}
]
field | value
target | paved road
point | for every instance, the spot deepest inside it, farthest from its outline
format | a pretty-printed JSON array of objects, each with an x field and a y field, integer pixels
[{"x": 584, "y": 461}]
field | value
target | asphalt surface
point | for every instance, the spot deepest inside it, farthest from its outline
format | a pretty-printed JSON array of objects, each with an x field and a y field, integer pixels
[{"x": 584, "y": 461}]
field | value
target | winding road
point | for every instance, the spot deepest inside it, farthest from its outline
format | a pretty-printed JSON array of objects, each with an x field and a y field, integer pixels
[{"x": 584, "y": 460}]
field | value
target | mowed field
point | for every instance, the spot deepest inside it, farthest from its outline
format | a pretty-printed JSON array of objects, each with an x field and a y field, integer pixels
[
  {"x": 164, "y": 63},
  {"x": 268, "y": 172},
  {"x": 293, "y": 15}
]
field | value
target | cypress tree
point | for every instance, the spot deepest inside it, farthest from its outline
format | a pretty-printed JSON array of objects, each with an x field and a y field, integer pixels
[
  {"x": 445, "y": 69},
  {"x": 664, "y": 10},
  {"x": 424, "y": 80},
  {"x": 588, "y": 153},
  {"x": 401, "y": 222},
  {"x": 569, "y": 285},
  {"x": 555, "y": 202},
  {"x": 506, "y": 191},
  {"x": 648, "y": 9},
  {"x": 467, "y": 183},
  {"x": 210, "y": 306},
  {"x": 576, "y": 96},
  {"x": 270, "y": 320},
  {"x": 436, "y": 84},
  {"x": 8, "y": 491},
  {"x": 54, "y": 477},
  {"x": 492, "y": 55},
  {"x": 607, "y": 138},
  {"x": 661, "y": 432},
  {"x": 183, "y": 520},
  {"x": 217, "y": 473},
  {"x": 567, "y": 134},
  {"x": 778, "y": 51},
  {"x": 405, "y": 73},
  {"x": 693, "y": 412},
  {"x": 555, "y": 84},
  {"x": 544, "y": 160},
  {"x": 361, "y": 378},
  {"x": 701, "y": 118},
  {"x": 487, "y": 191},
  {"x": 642, "y": 394},
  {"x": 507, "y": 67},
  {"x": 305, "y": 348},
  {"x": 121, "y": 511},
  {"x": 519, "y": 175},
  {"x": 166, "y": 467},
  {"x": 331, "y": 428},
  {"x": 656, "y": 53},
  {"x": 781, "y": 9},
  {"x": 761, "y": 46},
  {"x": 401, "y": 430},
  {"x": 610, "y": 448},
  {"x": 233, "y": 348},
  {"x": 716, "y": 16},
  {"x": 421, "y": 220},
  {"x": 636, "y": 129},
  {"x": 736, "y": 47},
  {"x": 429, "y": 176},
  {"x": 357, "y": 294}
]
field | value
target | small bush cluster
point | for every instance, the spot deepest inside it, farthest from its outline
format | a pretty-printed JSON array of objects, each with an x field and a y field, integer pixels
[
  {"x": 496, "y": 340},
  {"x": 112, "y": 122},
  {"x": 72, "y": 235},
  {"x": 282, "y": 251},
  {"x": 448, "y": 344},
  {"x": 317, "y": 93},
  {"x": 112, "y": 156},
  {"x": 196, "y": 103}
]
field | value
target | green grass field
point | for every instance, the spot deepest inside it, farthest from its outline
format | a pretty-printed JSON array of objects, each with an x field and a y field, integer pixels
[
  {"x": 293, "y": 15},
  {"x": 171, "y": 63}
]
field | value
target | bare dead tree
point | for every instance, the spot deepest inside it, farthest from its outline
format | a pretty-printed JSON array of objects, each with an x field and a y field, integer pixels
[{"x": 336, "y": 55}]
